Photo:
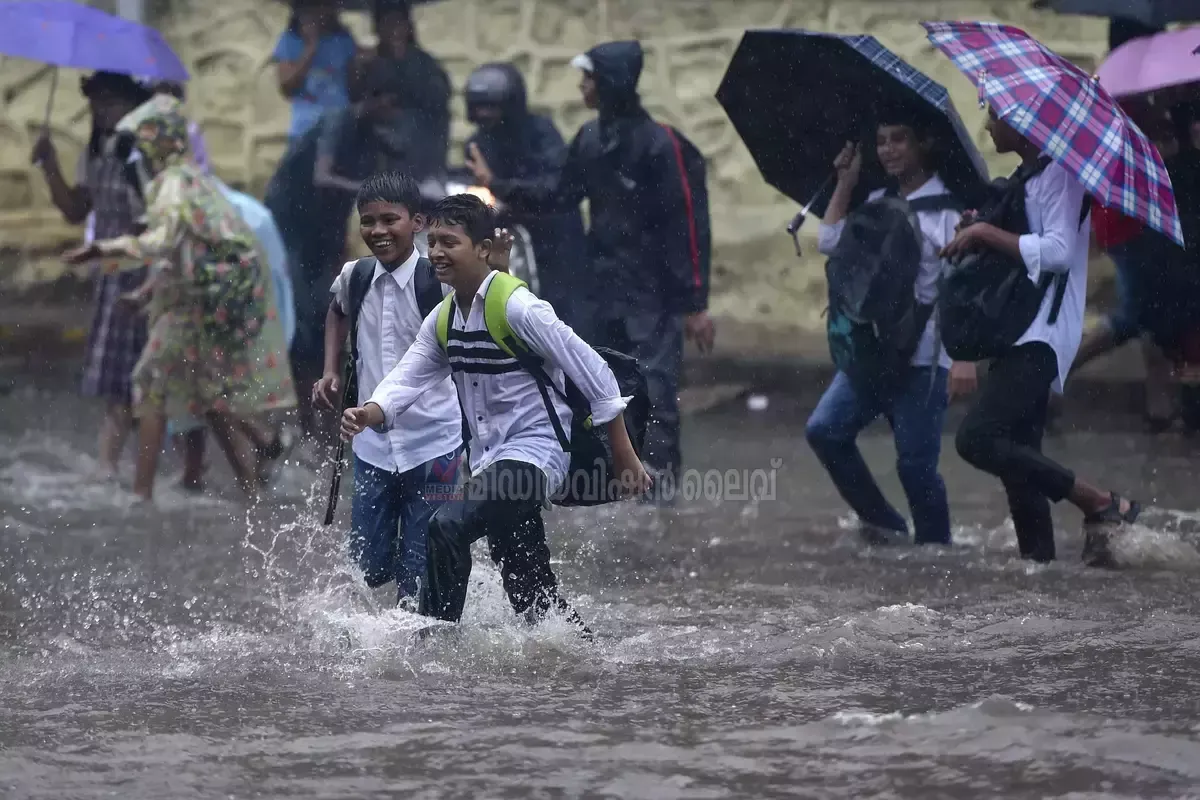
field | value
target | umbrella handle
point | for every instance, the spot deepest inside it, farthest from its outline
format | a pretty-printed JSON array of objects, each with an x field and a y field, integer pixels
[
  {"x": 50, "y": 100},
  {"x": 793, "y": 227},
  {"x": 49, "y": 108}
]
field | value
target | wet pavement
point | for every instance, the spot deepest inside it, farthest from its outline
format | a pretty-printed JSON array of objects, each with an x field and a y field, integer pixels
[{"x": 746, "y": 649}]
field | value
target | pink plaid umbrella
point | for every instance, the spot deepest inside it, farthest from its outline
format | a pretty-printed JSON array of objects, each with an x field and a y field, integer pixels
[{"x": 1062, "y": 110}]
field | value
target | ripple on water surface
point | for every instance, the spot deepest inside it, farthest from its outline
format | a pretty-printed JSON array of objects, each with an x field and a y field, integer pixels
[{"x": 202, "y": 649}]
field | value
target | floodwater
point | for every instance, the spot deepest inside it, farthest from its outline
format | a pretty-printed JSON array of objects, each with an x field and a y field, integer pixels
[{"x": 745, "y": 650}]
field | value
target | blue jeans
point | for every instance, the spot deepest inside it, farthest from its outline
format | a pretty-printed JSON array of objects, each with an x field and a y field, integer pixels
[
  {"x": 916, "y": 412},
  {"x": 395, "y": 507}
]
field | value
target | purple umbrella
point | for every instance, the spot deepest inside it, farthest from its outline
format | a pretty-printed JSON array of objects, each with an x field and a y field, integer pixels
[{"x": 67, "y": 34}]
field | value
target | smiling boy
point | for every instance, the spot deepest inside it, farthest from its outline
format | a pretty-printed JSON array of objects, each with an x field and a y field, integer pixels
[
  {"x": 516, "y": 459},
  {"x": 383, "y": 300}
]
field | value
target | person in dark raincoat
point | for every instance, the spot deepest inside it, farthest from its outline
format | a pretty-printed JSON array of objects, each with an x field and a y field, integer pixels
[
  {"x": 646, "y": 290},
  {"x": 526, "y": 146}
]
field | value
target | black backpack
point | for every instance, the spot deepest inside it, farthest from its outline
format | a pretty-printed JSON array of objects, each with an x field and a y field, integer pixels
[
  {"x": 693, "y": 171},
  {"x": 429, "y": 296},
  {"x": 874, "y": 321},
  {"x": 986, "y": 301}
]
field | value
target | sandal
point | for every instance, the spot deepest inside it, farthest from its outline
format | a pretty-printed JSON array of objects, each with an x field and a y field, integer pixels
[
  {"x": 1097, "y": 530},
  {"x": 1112, "y": 515}
]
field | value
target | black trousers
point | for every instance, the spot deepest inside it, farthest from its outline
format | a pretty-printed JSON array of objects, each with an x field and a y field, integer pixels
[
  {"x": 504, "y": 504},
  {"x": 655, "y": 339},
  {"x": 1002, "y": 435}
]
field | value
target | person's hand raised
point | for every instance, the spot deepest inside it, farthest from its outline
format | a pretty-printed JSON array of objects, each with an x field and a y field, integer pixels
[
  {"x": 479, "y": 166},
  {"x": 848, "y": 164}
]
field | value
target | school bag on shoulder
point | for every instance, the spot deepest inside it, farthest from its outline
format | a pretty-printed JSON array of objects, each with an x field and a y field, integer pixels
[
  {"x": 694, "y": 173},
  {"x": 986, "y": 300},
  {"x": 429, "y": 297},
  {"x": 875, "y": 322},
  {"x": 591, "y": 479}
]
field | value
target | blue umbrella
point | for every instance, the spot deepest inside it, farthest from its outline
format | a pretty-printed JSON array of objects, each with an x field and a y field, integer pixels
[
  {"x": 68, "y": 34},
  {"x": 795, "y": 97}
]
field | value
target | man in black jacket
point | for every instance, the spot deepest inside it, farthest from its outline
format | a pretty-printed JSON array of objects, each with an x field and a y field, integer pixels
[{"x": 646, "y": 290}]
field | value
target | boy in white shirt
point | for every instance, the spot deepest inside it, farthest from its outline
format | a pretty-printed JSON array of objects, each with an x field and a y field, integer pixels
[
  {"x": 384, "y": 307},
  {"x": 1002, "y": 433},
  {"x": 516, "y": 459}
]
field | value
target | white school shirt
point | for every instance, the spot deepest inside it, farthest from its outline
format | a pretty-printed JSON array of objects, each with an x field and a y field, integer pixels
[
  {"x": 505, "y": 411},
  {"x": 937, "y": 229},
  {"x": 1058, "y": 243},
  {"x": 387, "y": 325}
]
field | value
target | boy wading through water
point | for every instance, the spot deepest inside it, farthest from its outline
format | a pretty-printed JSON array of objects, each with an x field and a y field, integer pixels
[
  {"x": 914, "y": 396},
  {"x": 1002, "y": 433},
  {"x": 383, "y": 301},
  {"x": 516, "y": 459}
]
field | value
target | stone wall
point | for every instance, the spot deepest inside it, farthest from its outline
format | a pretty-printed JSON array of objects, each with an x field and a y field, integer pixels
[{"x": 757, "y": 276}]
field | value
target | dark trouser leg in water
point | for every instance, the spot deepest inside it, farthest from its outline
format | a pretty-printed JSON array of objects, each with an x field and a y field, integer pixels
[
  {"x": 915, "y": 413},
  {"x": 504, "y": 504},
  {"x": 1002, "y": 435}
]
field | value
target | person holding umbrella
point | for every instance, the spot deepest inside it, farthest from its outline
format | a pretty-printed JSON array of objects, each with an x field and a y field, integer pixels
[
  {"x": 105, "y": 186},
  {"x": 1073, "y": 141},
  {"x": 923, "y": 162},
  {"x": 915, "y": 400}
]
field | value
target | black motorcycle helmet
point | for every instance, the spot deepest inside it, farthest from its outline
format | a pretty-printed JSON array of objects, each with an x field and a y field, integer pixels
[{"x": 495, "y": 86}]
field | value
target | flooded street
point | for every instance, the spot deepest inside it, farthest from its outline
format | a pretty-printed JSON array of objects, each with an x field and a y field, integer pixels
[{"x": 744, "y": 650}]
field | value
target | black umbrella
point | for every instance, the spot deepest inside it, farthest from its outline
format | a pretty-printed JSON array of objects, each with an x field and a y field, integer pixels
[
  {"x": 1153, "y": 13},
  {"x": 796, "y": 97}
]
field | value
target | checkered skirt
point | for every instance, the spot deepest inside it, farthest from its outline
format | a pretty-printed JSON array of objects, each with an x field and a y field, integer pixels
[{"x": 116, "y": 338}]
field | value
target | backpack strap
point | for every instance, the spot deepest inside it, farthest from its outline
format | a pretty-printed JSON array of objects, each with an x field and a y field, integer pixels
[
  {"x": 445, "y": 312},
  {"x": 427, "y": 287},
  {"x": 360, "y": 284},
  {"x": 936, "y": 202},
  {"x": 689, "y": 209},
  {"x": 495, "y": 319}
]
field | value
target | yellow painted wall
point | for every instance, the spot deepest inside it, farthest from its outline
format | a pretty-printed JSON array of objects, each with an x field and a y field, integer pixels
[{"x": 226, "y": 45}]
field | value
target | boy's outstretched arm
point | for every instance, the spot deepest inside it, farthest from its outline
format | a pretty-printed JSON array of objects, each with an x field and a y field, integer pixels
[{"x": 422, "y": 367}]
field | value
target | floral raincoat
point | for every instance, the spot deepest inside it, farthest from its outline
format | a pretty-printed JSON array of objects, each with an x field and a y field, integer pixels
[{"x": 216, "y": 343}]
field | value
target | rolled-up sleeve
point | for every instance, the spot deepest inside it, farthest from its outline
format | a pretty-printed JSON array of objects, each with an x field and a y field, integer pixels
[
  {"x": 535, "y": 322},
  {"x": 1059, "y": 198},
  {"x": 423, "y": 367},
  {"x": 828, "y": 236}
]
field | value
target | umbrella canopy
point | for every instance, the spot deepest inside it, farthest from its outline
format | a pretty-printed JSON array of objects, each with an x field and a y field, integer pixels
[
  {"x": 369, "y": 5},
  {"x": 68, "y": 34},
  {"x": 1152, "y": 63},
  {"x": 796, "y": 97},
  {"x": 1154, "y": 13},
  {"x": 1067, "y": 114}
]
